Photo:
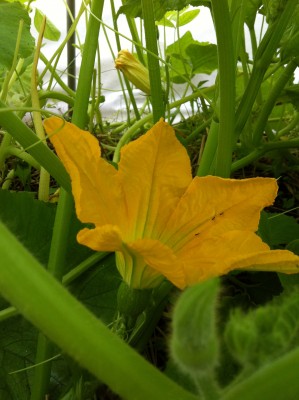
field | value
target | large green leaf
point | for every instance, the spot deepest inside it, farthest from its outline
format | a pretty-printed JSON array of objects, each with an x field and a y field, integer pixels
[
  {"x": 10, "y": 16},
  {"x": 188, "y": 57},
  {"x": 203, "y": 57},
  {"x": 17, "y": 352},
  {"x": 32, "y": 222},
  {"x": 278, "y": 229}
]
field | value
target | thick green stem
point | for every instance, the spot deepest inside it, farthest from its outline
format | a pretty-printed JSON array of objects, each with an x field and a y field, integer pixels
[
  {"x": 68, "y": 278},
  {"x": 153, "y": 62},
  {"x": 226, "y": 75},
  {"x": 270, "y": 102},
  {"x": 207, "y": 386},
  {"x": 277, "y": 380},
  {"x": 65, "y": 205},
  {"x": 76, "y": 330},
  {"x": 24, "y": 135}
]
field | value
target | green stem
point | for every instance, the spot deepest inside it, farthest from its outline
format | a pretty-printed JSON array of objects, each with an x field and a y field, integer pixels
[
  {"x": 50, "y": 94},
  {"x": 56, "y": 76},
  {"x": 44, "y": 176},
  {"x": 22, "y": 155},
  {"x": 28, "y": 140},
  {"x": 65, "y": 205},
  {"x": 270, "y": 102},
  {"x": 226, "y": 74},
  {"x": 6, "y": 84},
  {"x": 276, "y": 380},
  {"x": 263, "y": 58},
  {"x": 66, "y": 280},
  {"x": 76, "y": 330},
  {"x": 292, "y": 125},
  {"x": 132, "y": 131},
  {"x": 58, "y": 52},
  {"x": 8, "y": 313},
  {"x": 257, "y": 153},
  {"x": 208, "y": 155},
  {"x": 153, "y": 62},
  {"x": 5, "y": 144},
  {"x": 127, "y": 83},
  {"x": 207, "y": 386}
]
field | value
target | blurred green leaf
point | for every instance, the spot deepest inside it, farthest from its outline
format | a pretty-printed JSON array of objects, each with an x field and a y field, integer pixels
[
  {"x": 264, "y": 334},
  {"x": 187, "y": 17},
  {"x": 252, "y": 7},
  {"x": 278, "y": 229},
  {"x": 30, "y": 220},
  {"x": 176, "y": 19},
  {"x": 203, "y": 57},
  {"x": 188, "y": 56},
  {"x": 51, "y": 32},
  {"x": 133, "y": 8},
  {"x": 10, "y": 16}
]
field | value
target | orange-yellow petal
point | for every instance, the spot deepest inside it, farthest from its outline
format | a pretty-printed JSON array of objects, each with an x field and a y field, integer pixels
[
  {"x": 104, "y": 238},
  {"x": 213, "y": 205},
  {"x": 233, "y": 250},
  {"x": 94, "y": 183},
  {"x": 155, "y": 171},
  {"x": 160, "y": 259}
]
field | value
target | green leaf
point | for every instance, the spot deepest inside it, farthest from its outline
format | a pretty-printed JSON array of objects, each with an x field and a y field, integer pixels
[
  {"x": 98, "y": 287},
  {"x": 188, "y": 56},
  {"x": 251, "y": 8},
  {"x": 51, "y": 32},
  {"x": 32, "y": 222},
  {"x": 179, "y": 47},
  {"x": 187, "y": 17},
  {"x": 176, "y": 19},
  {"x": 203, "y": 57},
  {"x": 132, "y": 8},
  {"x": 15, "y": 1},
  {"x": 277, "y": 229},
  {"x": 10, "y": 16},
  {"x": 165, "y": 22},
  {"x": 181, "y": 71},
  {"x": 289, "y": 281},
  {"x": 264, "y": 334},
  {"x": 17, "y": 352}
]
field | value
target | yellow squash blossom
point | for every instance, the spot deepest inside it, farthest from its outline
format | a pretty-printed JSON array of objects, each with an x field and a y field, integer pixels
[
  {"x": 159, "y": 221},
  {"x": 133, "y": 70}
]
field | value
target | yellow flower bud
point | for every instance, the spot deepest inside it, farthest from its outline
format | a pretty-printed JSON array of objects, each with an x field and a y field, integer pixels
[{"x": 133, "y": 70}]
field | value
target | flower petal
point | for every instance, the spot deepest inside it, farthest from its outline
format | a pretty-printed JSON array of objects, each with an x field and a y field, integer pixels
[
  {"x": 213, "y": 205},
  {"x": 95, "y": 187},
  {"x": 233, "y": 250},
  {"x": 155, "y": 171},
  {"x": 159, "y": 258},
  {"x": 104, "y": 238}
]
